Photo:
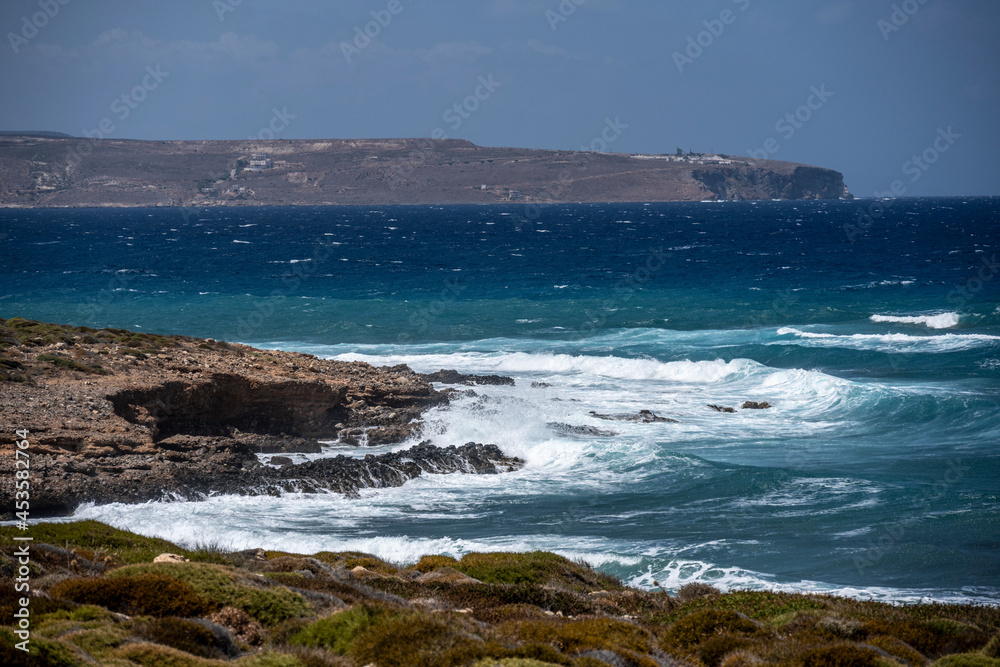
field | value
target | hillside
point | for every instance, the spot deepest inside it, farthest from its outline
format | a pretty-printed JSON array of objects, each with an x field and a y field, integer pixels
[{"x": 38, "y": 171}]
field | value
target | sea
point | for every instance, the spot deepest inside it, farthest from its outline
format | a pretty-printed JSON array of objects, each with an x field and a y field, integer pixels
[{"x": 872, "y": 328}]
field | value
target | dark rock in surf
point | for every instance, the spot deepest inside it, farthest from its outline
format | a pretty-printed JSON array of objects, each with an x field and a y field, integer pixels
[
  {"x": 753, "y": 405},
  {"x": 454, "y": 377},
  {"x": 643, "y": 416},
  {"x": 569, "y": 429},
  {"x": 719, "y": 408}
]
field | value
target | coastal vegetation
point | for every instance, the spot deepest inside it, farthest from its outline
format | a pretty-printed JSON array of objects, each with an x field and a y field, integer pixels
[{"x": 97, "y": 597}]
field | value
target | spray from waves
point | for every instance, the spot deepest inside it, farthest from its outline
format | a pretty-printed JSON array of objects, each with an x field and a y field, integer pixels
[
  {"x": 940, "y": 321},
  {"x": 638, "y": 564},
  {"x": 899, "y": 343},
  {"x": 612, "y": 367},
  {"x": 677, "y": 572}
]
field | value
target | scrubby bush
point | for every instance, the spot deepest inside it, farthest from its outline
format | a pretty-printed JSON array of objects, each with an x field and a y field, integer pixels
[
  {"x": 992, "y": 649},
  {"x": 10, "y": 603},
  {"x": 338, "y": 632},
  {"x": 582, "y": 635},
  {"x": 967, "y": 660},
  {"x": 898, "y": 649},
  {"x": 416, "y": 640},
  {"x": 41, "y": 653},
  {"x": 701, "y": 625},
  {"x": 841, "y": 655},
  {"x": 224, "y": 586},
  {"x": 714, "y": 649},
  {"x": 240, "y": 624},
  {"x": 144, "y": 594},
  {"x": 696, "y": 590},
  {"x": 181, "y": 634}
]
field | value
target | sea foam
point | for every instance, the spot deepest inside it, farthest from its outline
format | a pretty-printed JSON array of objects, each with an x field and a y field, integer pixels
[{"x": 940, "y": 321}]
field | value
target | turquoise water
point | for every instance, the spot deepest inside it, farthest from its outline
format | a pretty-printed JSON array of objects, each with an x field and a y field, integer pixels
[{"x": 877, "y": 341}]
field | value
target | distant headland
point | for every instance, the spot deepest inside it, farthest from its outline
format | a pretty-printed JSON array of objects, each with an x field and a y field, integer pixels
[{"x": 43, "y": 169}]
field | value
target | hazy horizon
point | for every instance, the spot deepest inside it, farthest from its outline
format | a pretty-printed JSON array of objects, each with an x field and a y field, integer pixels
[{"x": 882, "y": 92}]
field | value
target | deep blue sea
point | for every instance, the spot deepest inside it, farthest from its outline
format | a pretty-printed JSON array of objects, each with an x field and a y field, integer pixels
[{"x": 875, "y": 474}]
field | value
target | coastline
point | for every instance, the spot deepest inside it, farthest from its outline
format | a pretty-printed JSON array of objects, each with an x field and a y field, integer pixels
[
  {"x": 119, "y": 416},
  {"x": 116, "y": 597}
]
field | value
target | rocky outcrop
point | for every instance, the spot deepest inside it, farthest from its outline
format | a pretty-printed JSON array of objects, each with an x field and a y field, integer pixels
[
  {"x": 780, "y": 181},
  {"x": 115, "y": 416},
  {"x": 454, "y": 377}
]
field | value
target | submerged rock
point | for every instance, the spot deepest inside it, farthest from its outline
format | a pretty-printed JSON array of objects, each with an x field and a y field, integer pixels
[
  {"x": 454, "y": 377},
  {"x": 753, "y": 405},
  {"x": 643, "y": 416},
  {"x": 719, "y": 408},
  {"x": 569, "y": 429}
]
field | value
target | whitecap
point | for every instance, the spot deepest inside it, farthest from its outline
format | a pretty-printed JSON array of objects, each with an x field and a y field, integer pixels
[{"x": 938, "y": 321}]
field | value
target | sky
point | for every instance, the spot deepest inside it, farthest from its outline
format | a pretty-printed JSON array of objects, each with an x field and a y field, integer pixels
[{"x": 904, "y": 91}]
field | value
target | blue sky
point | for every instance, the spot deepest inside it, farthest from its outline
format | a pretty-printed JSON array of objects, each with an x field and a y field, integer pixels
[{"x": 715, "y": 75}]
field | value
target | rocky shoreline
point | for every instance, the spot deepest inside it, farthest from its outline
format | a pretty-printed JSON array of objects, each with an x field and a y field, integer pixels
[{"x": 119, "y": 416}]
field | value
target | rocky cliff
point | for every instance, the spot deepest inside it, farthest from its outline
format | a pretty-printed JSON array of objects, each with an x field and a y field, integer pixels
[
  {"x": 753, "y": 182},
  {"x": 116, "y": 416},
  {"x": 40, "y": 171}
]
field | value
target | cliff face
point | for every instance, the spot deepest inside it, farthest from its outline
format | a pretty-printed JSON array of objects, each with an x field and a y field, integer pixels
[
  {"x": 750, "y": 183},
  {"x": 46, "y": 171},
  {"x": 115, "y": 416}
]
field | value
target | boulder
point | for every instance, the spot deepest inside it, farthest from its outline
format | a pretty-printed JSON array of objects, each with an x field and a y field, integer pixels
[
  {"x": 170, "y": 558},
  {"x": 447, "y": 575}
]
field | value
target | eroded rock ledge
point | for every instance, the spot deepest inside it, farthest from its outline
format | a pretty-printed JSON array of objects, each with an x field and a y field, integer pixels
[{"x": 117, "y": 416}]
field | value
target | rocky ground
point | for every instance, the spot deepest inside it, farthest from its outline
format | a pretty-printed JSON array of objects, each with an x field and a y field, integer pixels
[
  {"x": 55, "y": 172},
  {"x": 118, "y": 416},
  {"x": 101, "y": 596}
]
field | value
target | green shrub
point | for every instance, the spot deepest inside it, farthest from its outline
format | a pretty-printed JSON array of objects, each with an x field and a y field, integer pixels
[
  {"x": 715, "y": 648},
  {"x": 10, "y": 603},
  {"x": 841, "y": 655},
  {"x": 155, "y": 655},
  {"x": 336, "y": 633},
  {"x": 417, "y": 640},
  {"x": 699, "y": 626},
  {"x": 696, "y": 590},
  {"x": 69, "y": 364},
  {"x": 512, "y": 662},
  {"x": 992, "y": 649},
  {"x": 227, "y": 587},
  {"x": 186, "y": 636},
  {"x": 122, "y": 545},
  {"x": 41, "y": 652},
  {"x": 898, "y": 649},
  {"x": 575, "y": 636},
  {"x": 967, "y": 660},
  {"x": 143, "y": 594},
  {"x": 97, "y": 642},
  {"x": 431, "y": 563}
]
